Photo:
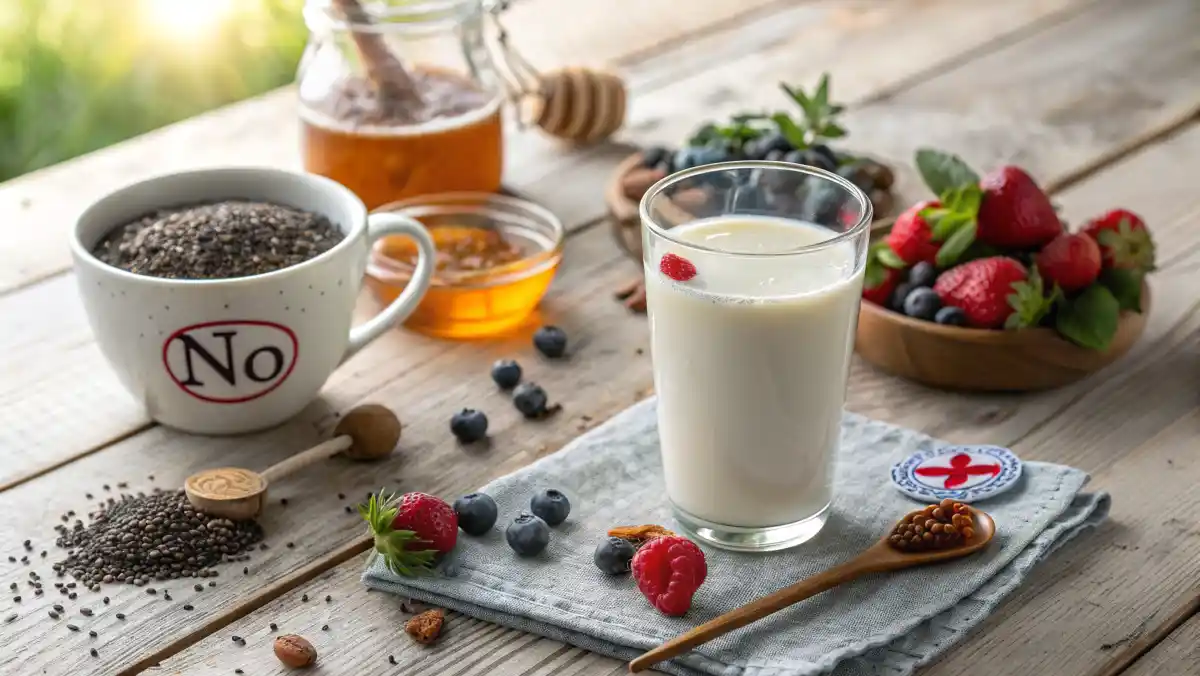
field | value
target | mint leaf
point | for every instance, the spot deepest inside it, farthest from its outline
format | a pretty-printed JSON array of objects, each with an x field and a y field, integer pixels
[
  {"x": 1090, "y": 320},
  {"x": 943, "y": 172},
  {"x": 796, "y": 95},
  {"x": 793, "y": 133},
  {"x": 954, "y": 247},
  {"x": 1126, "y": 286},
  {"x": 890, "y": 258},
  {"x": 832, "y": 130},
  {"x": 822, "y": 95}
]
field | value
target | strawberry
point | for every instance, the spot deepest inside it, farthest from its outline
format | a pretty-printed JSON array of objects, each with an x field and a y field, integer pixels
[
  {"x": 410, "y": 531},
  {"x": 911, "y": 236},
  {"x": 884, "y": 284},
  {"x": 1070, "y": 260},
  {"x": 668, "y": 571},
  {"x": 1015, "y": 213},
  {"x": 676, "y": 267},
  {"x": 994, "y": 292},
  {"x": 1124, "y": 241}
]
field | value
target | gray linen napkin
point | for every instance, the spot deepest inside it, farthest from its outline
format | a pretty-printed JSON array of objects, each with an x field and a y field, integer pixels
[{"x": 884, "y": 625}]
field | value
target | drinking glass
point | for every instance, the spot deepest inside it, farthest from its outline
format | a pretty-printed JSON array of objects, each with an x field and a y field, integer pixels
[{"x": 754, "y": 272}]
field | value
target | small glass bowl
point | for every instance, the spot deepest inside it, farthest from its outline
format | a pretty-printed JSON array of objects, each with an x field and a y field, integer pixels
[{"x": 479, "y": 302}]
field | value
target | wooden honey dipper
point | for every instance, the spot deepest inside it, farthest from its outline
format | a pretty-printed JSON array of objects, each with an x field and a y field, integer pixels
[
  {"x": 575, "y": 104},
  {"x": 367, "y": 432}
]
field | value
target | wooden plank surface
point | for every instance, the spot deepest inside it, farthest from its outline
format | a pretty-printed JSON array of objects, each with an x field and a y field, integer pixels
[
  {"x": 1044, "y": 426},
  {"x": 1178, "y": 653},
  {"x": 434, "y": 379},
  {"x": 48, "y": 360}
]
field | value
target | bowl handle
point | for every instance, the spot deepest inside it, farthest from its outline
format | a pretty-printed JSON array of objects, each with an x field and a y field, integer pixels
[{"x": 381, "y": 225}]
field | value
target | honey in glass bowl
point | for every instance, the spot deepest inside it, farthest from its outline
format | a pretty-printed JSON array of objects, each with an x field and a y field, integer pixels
[{"x": 496, "y": 257}]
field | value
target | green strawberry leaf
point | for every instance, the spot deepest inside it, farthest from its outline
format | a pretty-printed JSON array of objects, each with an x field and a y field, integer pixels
[
  {"x": 1126, "y": 286},
  {"x": 1090, "y": 320},
  {"x": 876, "y": 271},
  {"x": 963, "y": 199},
  {"x": 954, "y": 247},
  {"x": 790, "y": 130},
  {"x": 890, "y": 258},
  {"x": 943, "y": 172},
  {"x": 1030, "y": 303}
]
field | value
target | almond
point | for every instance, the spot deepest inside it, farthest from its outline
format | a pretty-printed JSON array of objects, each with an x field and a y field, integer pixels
[
  {"x": 639, "y": 533},
  {"x": 426, "y": 627},
  {"x": 636, "y": 182},
  {"x": 295, "y": 651}
]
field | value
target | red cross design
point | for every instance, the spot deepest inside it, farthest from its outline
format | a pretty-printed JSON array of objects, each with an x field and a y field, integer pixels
[{"x": 959, "y": 471}]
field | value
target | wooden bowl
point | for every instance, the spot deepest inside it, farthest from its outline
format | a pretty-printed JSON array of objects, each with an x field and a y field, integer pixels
[
  {"x": 627, "y": 224},
  {"x": 981, "y": 360}
]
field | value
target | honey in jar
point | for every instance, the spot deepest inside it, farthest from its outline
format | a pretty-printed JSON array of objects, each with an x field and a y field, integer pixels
[{"x": 440, "y": 130}]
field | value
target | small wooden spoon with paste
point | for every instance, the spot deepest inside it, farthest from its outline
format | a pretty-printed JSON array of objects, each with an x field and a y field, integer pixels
[
  {"x": 367, "y": 432},
  {"x": 879, "y": 557}
]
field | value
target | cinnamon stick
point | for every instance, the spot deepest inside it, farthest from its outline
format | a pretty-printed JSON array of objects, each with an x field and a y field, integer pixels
[{"x": 384, "y": 70}]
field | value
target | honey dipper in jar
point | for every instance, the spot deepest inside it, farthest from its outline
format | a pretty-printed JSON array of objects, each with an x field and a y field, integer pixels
[{"x": 418, "y": 112}]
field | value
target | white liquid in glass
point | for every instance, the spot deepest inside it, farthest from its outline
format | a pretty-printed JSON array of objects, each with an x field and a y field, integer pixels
[{"x": 750, "y": 365}]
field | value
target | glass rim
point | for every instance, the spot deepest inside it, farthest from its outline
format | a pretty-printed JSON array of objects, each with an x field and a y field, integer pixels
[{"x": 864, "y": 220}]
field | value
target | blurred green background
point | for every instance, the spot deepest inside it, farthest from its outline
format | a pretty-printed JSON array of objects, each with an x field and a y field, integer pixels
[{"x": 77, "y": 75}]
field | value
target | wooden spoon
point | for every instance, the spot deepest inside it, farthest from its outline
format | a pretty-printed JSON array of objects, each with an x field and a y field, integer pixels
[
  {"x": 880, "y": 557},
  {"x": 367, "y": 432}
]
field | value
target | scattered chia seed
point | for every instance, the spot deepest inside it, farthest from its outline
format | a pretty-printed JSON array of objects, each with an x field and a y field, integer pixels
[
  {"x": 58, "y": 607},
  {"x": 304, "y": 598},
  {"x": 37, "y": 592},
  {"x": 188, "y": 606},
  {"x": 324, "y": 627},
  {"x": 238, "y": 671},
  {"x": 348, "y": 510},
  {"x": 10, "y": 618},
  {"x": 341, "y": 496},
  {"x": 283, "y": 501},
  {"x": 160, "y": 536},
  {"x": 12, "y": 559},
  {"x": 53, "y": 615},
  {"x": 28, "y": 544},
  {"x": 88, "y": 496},
  {"x": 198, "y": 587},
  {"x": 291, "y": 545},
  {"x": 94, "y": 653},
  {"x": 151, "y": 591},
  {"x": 120, "y": 616},
  {"x": 222, "y": 240},
  {"x": 16, "y": 599},
  {"x": 274, "y": 627},
  {"x": 328, "y": 598},
  {"x": 239, "y": 640},
  {"x": 391, "y": 659},
  {"x": 92, "y": 633},
  {"x": 246, "y": 571},
  {"x": 166, "y": 596},
  {"x": 211, "y": 583},
  {"x": 86, "y": 612},
  {"x": 72, "y": 627},
  {"x": 72, "y": 596},
  {"x": 106, "y": 600}
]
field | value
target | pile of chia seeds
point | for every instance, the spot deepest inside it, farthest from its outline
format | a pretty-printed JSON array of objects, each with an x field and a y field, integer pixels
[
  {"x": 222, "y": 240},
  {"x": 156, "y": 536}
]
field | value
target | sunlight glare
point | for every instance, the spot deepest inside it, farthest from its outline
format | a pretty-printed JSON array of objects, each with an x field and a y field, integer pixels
[{"x": 186, "y": 19}]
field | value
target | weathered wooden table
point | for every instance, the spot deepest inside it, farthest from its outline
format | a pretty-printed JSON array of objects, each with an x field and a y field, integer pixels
[{"x": 1098, "y": 98}]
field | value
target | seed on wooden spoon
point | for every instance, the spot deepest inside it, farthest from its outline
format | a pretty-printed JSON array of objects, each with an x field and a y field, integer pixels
[
  {"x": 881, "y": 557},
  {"x": 367, "y": 432}
]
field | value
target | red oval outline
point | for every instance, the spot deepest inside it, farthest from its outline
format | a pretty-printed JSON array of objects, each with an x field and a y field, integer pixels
[{"x": 247, "y": 322}]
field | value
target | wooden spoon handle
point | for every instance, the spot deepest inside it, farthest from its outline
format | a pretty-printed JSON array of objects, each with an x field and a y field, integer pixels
[
  {"x": 322, "y": 451},
  {"x": 752, "y": 612}
]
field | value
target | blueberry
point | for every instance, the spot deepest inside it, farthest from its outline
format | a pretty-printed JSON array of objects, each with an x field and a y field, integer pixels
[
  {"x": 530, "y": 399},
  {"x": 476, "y": 513},
  {"x": 775, "y": 155},
  {"x": 613, "y": 555},
  {"x": 550, "y": 341},
  {"x": 695, "y": 156},
  {"x": 654, "y": 156},
  {"x": 922, "y": 303},
  {"x": 550, "y": 506},
  {"x": 773, "y": 141},
  {"x": 896, "y": 302},
  {"x": 859, "y": 174},
  {"x": 506, "y": 373},
  {"x": 811, "y": 158},
  {"x": 827, "y": 152},
  {"x": 922, "y": 274},
  {"x": 822, "y": 202},
  {"x": 951, "y": 316},
  {"x": 527, "y": 535},
  {"x": 469, "y": 425}
]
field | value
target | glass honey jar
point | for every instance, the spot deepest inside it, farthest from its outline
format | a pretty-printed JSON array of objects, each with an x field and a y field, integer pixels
[{"x": 400, "y": 99}]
